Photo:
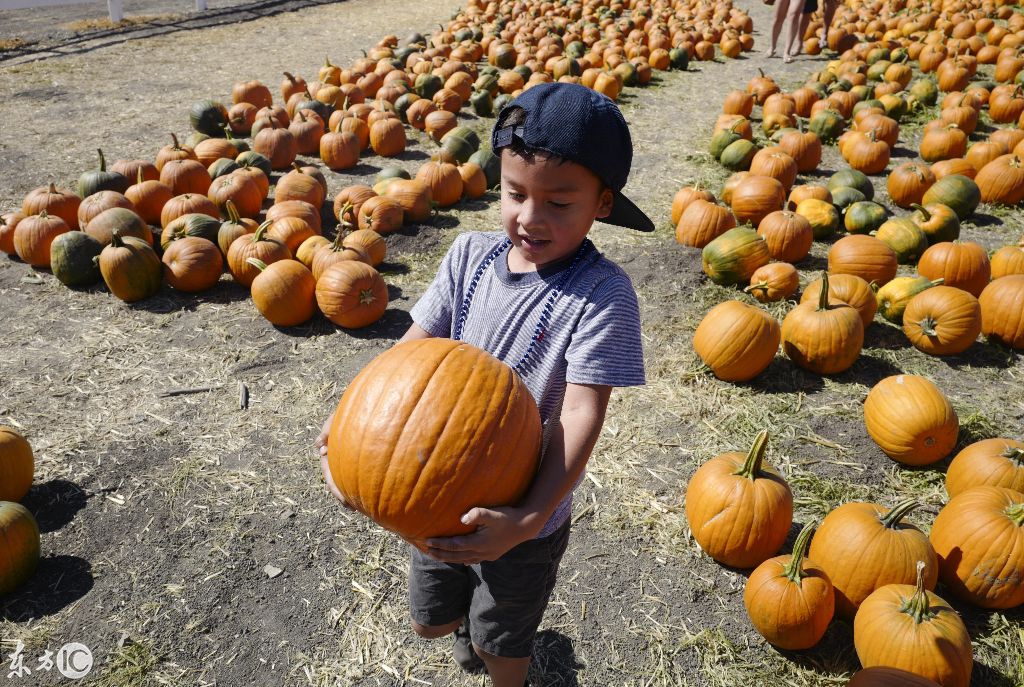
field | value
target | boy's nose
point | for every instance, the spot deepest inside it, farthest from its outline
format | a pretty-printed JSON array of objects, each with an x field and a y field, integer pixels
[{"x": 530, "y": 215}]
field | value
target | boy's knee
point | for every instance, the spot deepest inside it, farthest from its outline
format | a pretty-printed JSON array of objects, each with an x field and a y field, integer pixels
[{"x": 435, "y": 631}]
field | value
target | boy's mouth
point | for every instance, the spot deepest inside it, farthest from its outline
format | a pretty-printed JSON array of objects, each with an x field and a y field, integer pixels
[{"x": 533, "y": 243}]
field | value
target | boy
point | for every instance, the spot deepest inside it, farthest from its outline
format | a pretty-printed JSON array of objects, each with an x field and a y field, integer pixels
[{"x": 545, "y": 301}]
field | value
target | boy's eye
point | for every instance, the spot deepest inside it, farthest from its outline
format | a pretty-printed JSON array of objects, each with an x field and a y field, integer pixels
[
  {"x": 516, "y": 195},
  {"x": 560, "y": 206}
]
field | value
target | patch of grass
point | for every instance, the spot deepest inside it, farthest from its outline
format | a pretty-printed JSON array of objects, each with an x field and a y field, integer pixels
[
  {"x": 818, "y": 496},
  {"x": 132, "y": 664}
]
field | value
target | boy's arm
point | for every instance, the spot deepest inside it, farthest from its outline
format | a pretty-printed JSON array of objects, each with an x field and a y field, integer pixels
[{"x": 500, "y": 529}]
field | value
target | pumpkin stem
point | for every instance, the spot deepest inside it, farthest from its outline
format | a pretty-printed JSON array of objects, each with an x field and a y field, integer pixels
[
  {"x": 233, "y": 215},
  {"x": 138, "y": 176},
  {"x": 327, "y": 61},
  {"x": 893, "y": 517},
  {"x": 917, "y": 605},
  {"x": 115, "y": 239},
  {"x": 823, "y": 296},
  {"x": 794, "y": 569},
  {"x": 366, "y": 297},
  {"x": 289, "y": 77},
  {"x": 257, "y": 263},
  {"x": 261, "y": 230},
  {"x": 763, "y": 286},
  {"x": 103, "y": 161},
  {"x": 175, "y": 145},
  {"x": 1015, "y": 454},
  {"x": 1016, "y": 514},
  {"x": 53, "y": 188},
  {"x": 752, "y": 465},
  {"x": 925, "y": 215},
  {"x": 928, "y": 326},
  {"x": 297, "y": 167}
]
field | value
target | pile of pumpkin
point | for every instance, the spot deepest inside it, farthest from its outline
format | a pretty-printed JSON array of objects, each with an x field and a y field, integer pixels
[
  {"x": 740, "y": 511},
  {"x": 19, "y": 532},
  {"x": 942, "y": 310}
]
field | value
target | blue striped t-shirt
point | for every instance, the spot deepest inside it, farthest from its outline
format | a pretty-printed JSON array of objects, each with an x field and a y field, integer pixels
[{"x": 592, "y": 335}]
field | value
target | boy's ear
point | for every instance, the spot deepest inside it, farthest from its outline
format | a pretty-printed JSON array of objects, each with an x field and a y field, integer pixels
[{"x": 604, "y": 207}]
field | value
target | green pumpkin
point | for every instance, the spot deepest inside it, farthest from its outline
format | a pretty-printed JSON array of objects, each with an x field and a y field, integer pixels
[
  {"x": 818, "y": 88},
  {"x": 734, "y": 256},
  {"x": 101, "y": 180},
  {"x": 426, "y": 85},
  {"x": 876, "y": 72},
  {"x": 925, "y": 90},
  {"x": 738, "y": 154},
  {"x": 845, "y": 196},
  {"x": 958, "y": 192},
  {"x": 864, "y": 217},
  {"x": 487, "y": 83},
  {"x": 457, "y": 147},
  {"x": 840, "y": 84},
  {"x": 828, "y": 124},
  {"x": 391, "y": 172},
  {"x": 482, "y": 103},
  {"x": 894, "y": 295},
  {"x": 862, "y": 92},
  {"x": 523, "y": 71},
  {"x": 876, "y": 54},
  {"x": 490, "y": 163},
  {"x": 208, "y": 117},
  {"x": 251, "y": 158},
  {"x": 629, "y": 74},
  {"x": 19, "y": 539},
  {"x": 724, "y": 138},
  {"x": 73, "y": 259},
  {"x": 502, "y": 101},
  {"x": 222, "y": 166},
  {"x": 899, "y": 55},
  {"x": 853, "y": 179},
  {"x": 402, "y": 104},
  {"x": 191, "y": 224},
  {"x": 576, "y": 49},
  {"x": 904, "y": 237},
  {"x": 463, "y": 132},
  {"x": 323, "y": 110},
  {"x": 938, "y": 222},
  {"x": 679, "y": 58}
]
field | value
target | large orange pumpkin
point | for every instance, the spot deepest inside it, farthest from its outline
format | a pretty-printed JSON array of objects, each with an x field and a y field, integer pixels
[
  {"x": 1002, "y": 317},
  {"x": 738, "y": 508},
  {"x": 823, "y": 336},
  {"x": 17, "y": 465},
  {"x": 979, "y": 538},
  {"x": 884, "y": 548},
  {"x": 461, "y": 430},
  {"x": 905, "y": 626},
  {"x": 19, "y": 546},
  {"x": 991, "y": 462},
  {"x": 736, "y": 340},
  {"x": 351, "y": 294},
  {"x": 911, "y": 420}
]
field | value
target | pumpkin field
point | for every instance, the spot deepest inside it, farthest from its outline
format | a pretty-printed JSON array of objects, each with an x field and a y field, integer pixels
[{"x": 833, "y": 296}]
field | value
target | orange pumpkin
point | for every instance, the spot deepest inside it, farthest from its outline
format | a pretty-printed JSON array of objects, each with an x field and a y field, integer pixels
[
  {"x": 351, "y": 294},
  {"x": 989, "y": 462},
  {"x": 907, "y": 627},
  {"x": 739, "y": 509},
  {"x": 737, "y": 341},
  {"x": 17, "y": 465},
  {"x": 192, "y": 264},
  {"x": 283, "y": 292},
  {"x": 790, "y": 599},
  {"x": 401, "y": 468},
  {"x": 1002, "y": 318},
  {"x": 911, "y": 420},
  {"x": 825, "y": 336}
]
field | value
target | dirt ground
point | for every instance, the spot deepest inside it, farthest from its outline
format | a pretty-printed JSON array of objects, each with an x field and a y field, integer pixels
[{"x": 161, "y": 513}]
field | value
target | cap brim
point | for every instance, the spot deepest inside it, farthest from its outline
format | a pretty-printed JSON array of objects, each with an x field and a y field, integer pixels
[{"x": 626, "y": 214}]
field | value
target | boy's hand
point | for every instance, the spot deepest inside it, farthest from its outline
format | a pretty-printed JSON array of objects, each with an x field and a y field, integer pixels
[
  {"x": 498, "y": 530},
  {"x": 321, "y": 445}
]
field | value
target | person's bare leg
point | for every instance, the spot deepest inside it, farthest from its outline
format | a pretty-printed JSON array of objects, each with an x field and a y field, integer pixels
[
  {"x": 793, "y": 20},
  {"x": 829, "y": 12},
  {"x": 780, "y": 16},
  {"x": 435, "y": 631},
  {"x": 504, "y": 672},
  {"x": 796, "y": 41}
]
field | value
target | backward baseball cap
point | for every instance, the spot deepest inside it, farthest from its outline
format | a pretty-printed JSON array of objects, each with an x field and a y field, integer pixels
[{"x": 581, "y": 125}]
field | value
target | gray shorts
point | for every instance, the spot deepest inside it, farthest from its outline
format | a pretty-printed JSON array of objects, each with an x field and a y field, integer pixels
[{"x": 504, "y": 599}]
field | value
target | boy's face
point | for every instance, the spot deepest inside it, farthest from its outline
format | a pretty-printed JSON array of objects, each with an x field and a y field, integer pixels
[{"x": 547, "y": 208}]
